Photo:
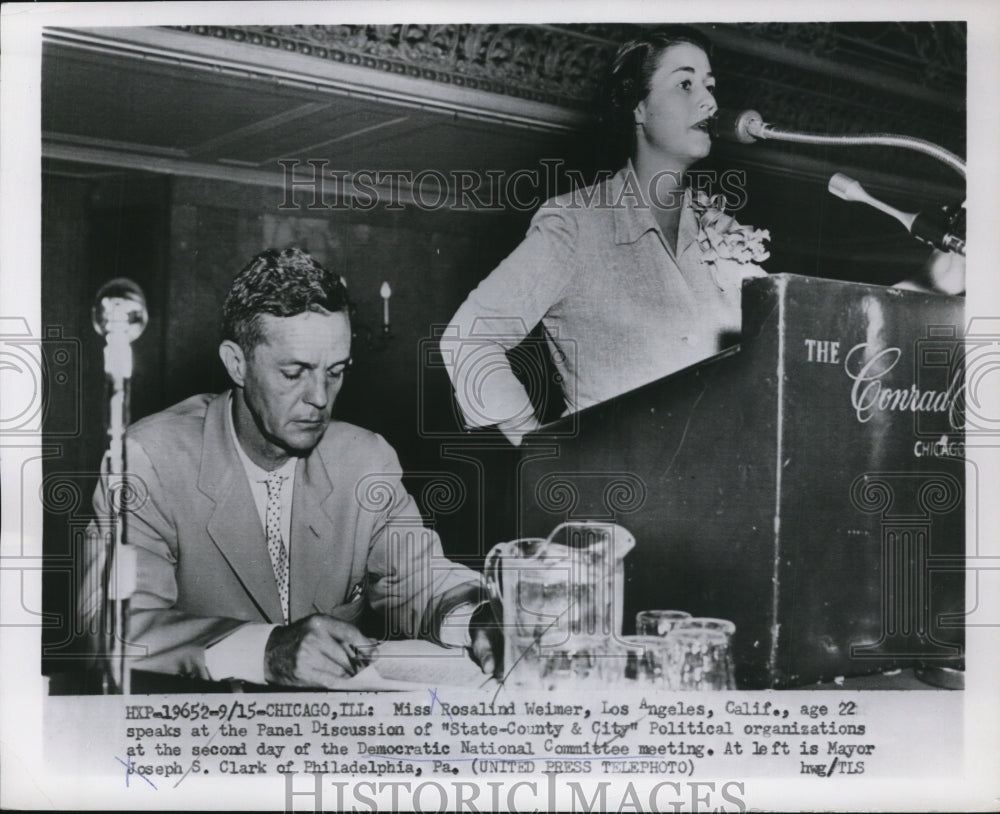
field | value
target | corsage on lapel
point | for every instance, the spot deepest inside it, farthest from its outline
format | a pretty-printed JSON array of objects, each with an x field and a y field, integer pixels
[{"x": 721, "y": 237}]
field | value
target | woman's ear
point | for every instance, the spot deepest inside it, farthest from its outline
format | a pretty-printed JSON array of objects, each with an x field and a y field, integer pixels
[{"x": 640, "y": 113}]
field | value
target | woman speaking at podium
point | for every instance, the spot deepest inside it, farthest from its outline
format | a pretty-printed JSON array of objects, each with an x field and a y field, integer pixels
[{"x": 633, "y": 278}]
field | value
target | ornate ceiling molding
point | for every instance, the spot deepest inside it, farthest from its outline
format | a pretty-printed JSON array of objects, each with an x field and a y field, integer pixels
[
  {"x": 564, "y": 64},
  {"x": 900, "y": 77},
  {"x": 832, "y": 78},
  {"x": 251, "y": 53},
  {"x": 539, "y": 63}
]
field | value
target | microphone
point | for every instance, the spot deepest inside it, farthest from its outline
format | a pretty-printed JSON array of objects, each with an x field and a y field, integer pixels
[
  {"x": 747, "y": 127},
  {"x": 744, "y": 127},
  {"x": 119, "y": 315},
  {"x": 925, "y": 228}
]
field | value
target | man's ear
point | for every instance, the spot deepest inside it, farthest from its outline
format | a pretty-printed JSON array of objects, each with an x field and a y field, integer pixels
[{"x": 234, "y": 360}]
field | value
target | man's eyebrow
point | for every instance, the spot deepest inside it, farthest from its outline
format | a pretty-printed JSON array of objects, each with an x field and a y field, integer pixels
[{"x": 310, "y": 365}]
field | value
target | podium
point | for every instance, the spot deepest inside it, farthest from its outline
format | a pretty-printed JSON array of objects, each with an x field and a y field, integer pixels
[{"x": 808, "y": 484}]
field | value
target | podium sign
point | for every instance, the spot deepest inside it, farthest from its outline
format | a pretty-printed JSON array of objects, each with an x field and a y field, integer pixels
[{"x": 809, "y": 485}]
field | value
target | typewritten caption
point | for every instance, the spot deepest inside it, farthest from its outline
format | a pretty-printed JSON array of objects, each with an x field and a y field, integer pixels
[
  {"x": 174, "y": 741},
  {"x": 464, "y": 750}
]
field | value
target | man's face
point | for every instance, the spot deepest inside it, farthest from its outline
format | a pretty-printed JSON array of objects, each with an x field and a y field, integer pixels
[{"x": 293, "y": 375}]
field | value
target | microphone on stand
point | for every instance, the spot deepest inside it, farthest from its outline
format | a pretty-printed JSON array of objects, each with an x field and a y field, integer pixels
[
  {"x": 747, "y": 127},
  {"x": 926, "y": 228},
  {"x": 119, "y": 315}
]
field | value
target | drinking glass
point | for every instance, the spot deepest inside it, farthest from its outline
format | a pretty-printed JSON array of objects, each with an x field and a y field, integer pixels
[
  {"x": 658, "y": 622},
  {"x": 699, "y": 658},
  {"x": 579, "y": 662},
  {"x": 707, "y": 623},
  {"x": 647, "y": 660}
]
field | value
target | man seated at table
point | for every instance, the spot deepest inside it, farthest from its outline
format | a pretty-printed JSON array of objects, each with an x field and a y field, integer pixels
[{"x": 264, "y": 530}]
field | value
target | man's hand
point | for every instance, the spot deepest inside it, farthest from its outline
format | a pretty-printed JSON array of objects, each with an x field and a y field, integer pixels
[
  {"x": 318, "y": 651},
  {"x": 487, "y": 641}
]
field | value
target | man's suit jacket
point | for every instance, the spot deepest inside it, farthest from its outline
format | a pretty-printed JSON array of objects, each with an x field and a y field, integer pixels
[{"x": 357, "y": 540}]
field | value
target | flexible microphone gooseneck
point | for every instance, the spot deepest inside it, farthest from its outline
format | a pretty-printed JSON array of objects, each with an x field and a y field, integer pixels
[{"x": 747, "y": 126}]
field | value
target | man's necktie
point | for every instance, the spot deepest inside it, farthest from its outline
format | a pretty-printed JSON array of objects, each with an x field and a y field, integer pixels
[{"x": 275, "y": 545}]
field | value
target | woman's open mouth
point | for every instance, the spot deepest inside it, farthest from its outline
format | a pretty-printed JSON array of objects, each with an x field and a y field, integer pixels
[{"x": 704, "y": 125}]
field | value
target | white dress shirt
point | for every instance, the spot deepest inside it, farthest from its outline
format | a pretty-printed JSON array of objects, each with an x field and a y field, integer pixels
[{"x": 241, "y": 653}]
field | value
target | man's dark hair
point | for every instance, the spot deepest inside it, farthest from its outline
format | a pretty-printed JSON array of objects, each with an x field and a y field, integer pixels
[
  {"x": 633, "y": 67},
  {"x": 283, "y": 283}
]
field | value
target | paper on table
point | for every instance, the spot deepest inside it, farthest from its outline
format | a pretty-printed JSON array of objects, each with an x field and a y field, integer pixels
[
  {"x": 415, "y": 661},
  {"x": 409, "y": 664}
]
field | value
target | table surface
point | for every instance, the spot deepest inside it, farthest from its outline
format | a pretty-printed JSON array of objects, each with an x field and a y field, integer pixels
[{"x": 145, "y": 683}]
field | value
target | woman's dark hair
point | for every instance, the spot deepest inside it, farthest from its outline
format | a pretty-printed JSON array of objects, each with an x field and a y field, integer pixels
[
  {"x": 281, "y": 283},
  {"x": 633, "y": 67}
]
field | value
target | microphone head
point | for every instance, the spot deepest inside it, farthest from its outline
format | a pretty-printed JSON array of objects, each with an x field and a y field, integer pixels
[
  {"x": 840, "y": 185},
  {"x": 743, "y": 127},
  {"x": 120, "y": 307},
  {"x": 846, "y": 188}
]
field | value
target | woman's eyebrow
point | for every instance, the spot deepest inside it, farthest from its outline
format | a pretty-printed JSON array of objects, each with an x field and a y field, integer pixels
[{"x": 689, "y": 69}]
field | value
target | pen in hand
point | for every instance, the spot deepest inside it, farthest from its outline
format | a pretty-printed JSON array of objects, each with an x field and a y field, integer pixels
[
  {"x": 359, "y": 654},
  {"x": 362, "y": 656}
]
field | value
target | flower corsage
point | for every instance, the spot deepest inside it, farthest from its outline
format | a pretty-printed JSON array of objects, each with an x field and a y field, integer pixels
[{"x": 721, "y": 237}]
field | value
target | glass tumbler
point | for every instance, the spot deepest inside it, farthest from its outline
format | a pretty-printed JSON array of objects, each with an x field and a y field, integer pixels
[
  {"x": 658, "y": 622},
  {"x": 699, "y": 659},
  {"x": 582, "y": 662},
  {"x": 647, "y": 660},
  {"x": 707, "y": 623}
]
